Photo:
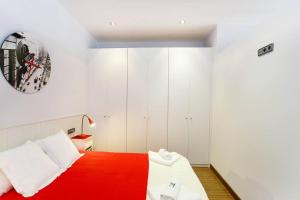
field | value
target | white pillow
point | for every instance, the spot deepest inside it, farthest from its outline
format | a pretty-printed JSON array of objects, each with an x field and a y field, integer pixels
[
  {"x": 28, "y": 168},
  {"x": 5, "y": 184},
  {"x": 60, "y": 149}
]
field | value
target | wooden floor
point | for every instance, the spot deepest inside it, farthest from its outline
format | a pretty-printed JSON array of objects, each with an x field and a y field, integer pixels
[{"x": 213, "y": 186}]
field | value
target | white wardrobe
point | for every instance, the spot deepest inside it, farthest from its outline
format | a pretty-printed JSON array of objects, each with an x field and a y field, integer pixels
[{"x": 151, "y": 98}]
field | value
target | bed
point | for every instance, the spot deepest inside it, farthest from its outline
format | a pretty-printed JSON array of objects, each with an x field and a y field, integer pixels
[{"x": 113, "y": 176}]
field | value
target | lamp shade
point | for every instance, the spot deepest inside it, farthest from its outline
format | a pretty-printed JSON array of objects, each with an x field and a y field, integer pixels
[{"x": 91, "y": 122}]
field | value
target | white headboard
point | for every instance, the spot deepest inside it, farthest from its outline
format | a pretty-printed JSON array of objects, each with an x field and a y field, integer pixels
[{"x": 14, "y": 136}]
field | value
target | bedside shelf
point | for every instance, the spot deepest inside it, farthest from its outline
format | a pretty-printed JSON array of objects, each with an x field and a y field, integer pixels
[{"x": 83, "y": 142}]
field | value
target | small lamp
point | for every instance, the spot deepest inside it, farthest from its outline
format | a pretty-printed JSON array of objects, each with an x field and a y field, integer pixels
[{"x": 90, "y": 120}]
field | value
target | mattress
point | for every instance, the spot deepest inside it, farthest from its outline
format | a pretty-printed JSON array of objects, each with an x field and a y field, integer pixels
[{"x": 181, "y": 170}]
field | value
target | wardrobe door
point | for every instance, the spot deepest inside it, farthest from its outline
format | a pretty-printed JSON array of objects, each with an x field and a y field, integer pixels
[
  {"x": 157, "y": 98},
  {"x": 200, "y": 79},
  {"x": 147, "y": 99},
  {"x": 137, "y": 100},
  {"x": 178, "y": 119},
  {"x": 107, "y": 97}
]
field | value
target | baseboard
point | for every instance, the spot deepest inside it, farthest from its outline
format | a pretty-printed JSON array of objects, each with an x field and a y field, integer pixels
[
  {"x": 200, "y": 165},
  {"x": 232, "y": 192}
]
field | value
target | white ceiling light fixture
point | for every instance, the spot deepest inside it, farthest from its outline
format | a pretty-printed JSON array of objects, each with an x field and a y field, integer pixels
[
  {"x": 112, "y": 23},
  {"x": 182, "y": 22}
]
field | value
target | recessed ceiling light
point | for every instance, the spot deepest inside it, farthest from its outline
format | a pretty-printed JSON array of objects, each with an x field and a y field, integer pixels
[
  {"x": 182, "y": 22},
  {"x": 112, "y": 23}
]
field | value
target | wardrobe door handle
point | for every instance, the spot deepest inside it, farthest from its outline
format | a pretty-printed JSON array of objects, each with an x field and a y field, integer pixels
[
  {"x": 191, "y": 118},
  {"x": 186, "y": 118}
]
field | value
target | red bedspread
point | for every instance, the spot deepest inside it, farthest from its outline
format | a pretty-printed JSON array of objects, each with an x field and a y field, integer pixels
[{"x": 98, "y": 176}]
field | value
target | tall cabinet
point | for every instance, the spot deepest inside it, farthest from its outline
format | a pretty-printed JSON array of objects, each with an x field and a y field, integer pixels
[
  {"x": 147, "y": 99},
  {"x": 107, "y": 92},
  {"x": 189, "y": 103},
  {"x": 151, "y": 98}
]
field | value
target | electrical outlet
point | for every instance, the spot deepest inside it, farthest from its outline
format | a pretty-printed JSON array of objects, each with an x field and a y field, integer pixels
[
  {"x": 267, "y": 49},
  {"x": 71, "y": 130}
]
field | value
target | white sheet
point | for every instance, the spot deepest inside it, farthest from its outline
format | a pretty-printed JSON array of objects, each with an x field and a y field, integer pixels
[{"x": 181, "y": 170}]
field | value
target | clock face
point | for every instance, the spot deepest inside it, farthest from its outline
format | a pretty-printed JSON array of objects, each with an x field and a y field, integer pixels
[{"x": 24, "y": 63}]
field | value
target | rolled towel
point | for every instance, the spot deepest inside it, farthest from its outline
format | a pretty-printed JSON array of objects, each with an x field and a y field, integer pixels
[
  {"x": 165, "y": 154},
  {"x": 155, "y": 157},
  {"x": 171, "y": 191}
]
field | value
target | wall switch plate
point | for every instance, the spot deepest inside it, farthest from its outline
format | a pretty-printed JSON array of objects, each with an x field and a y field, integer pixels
[
  {"x": 267, "y": 49},
  {"x": 71, "y": 130}
]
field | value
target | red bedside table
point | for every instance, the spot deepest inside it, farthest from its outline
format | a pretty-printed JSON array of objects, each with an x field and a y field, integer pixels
[{"x": 83, "y": 142}]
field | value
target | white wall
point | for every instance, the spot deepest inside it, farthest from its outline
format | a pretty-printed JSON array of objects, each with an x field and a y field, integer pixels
[
  {"x": 67, "y": 43},
  {"x": 256, "y": 131},
  {"x": 17, "y": 135}
]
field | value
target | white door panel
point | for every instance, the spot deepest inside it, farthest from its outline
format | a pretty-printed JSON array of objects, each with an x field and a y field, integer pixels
[
  {"x": 200, "y": 106},
  {"x": 137, "y": 101},
  {"x": 107, "y": 97},
  {"x": 178, "y": 101},
  {"x": 189, "y": 98},
  {"x": 147, "y": 99},
  {"x": 157, "y": 98}
]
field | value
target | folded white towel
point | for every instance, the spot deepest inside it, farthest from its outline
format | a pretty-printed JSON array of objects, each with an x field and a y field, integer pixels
[
  {"x": 184, "y": 194},
  {"x": 165, "y": 154},
  {"x": 171, "y": 191},
  {"x": 155, "y": 157}
]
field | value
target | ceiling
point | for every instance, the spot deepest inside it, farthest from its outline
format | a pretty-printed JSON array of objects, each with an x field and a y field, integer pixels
[{"x": 145, "y": 20}]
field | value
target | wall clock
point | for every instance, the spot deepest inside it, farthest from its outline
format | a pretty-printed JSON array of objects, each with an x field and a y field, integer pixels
[{"x": 24, "y": 63}]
